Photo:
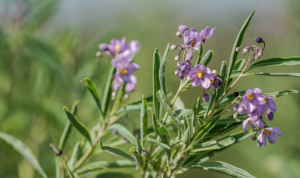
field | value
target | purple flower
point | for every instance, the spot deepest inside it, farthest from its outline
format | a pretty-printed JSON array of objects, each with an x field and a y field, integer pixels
[
  {"x": 192, "y": 40},
  {"x": 269, "y": 103},
  {"x": 183, "y": 69},
  {"x": 201, "y": 76},
  {"x": 254, "y": 121},
  {"x": 182, "y": 28},
  {"x": 103, "y": 46},
  {"x": 124, "y": 74},
  {"x": 253, "y": 99},
  {"x": 135, "y": 47},
  {"x": 189, "y": 56},
  {"x": 117, "y": 45},
  {"x": 125, "y": 56},
  {"x": 214, "y": 81},
  {"x": 206, "y": 33},
  {"x": 270, "y": 134}
]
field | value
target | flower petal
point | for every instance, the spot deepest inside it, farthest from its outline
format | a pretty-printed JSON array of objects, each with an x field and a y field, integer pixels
[{"x": 271, "y": 105}]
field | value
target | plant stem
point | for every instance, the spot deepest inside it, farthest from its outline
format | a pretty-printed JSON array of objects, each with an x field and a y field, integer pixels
[
  {"x": 172, "y": 103},
  {"x": 88, "y": 153}
]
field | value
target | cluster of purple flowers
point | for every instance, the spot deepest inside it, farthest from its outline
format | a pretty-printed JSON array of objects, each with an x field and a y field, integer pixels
[
  {"x": 122, "y": 54},
  {"x": 254, "y": 104},
  {"x": 198, "y": 75}
]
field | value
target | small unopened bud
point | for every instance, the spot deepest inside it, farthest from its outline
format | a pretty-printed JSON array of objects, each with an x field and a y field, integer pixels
[
  {"x": 254, "y": 138},
  {"x": 214, "y": 72},
  {"x": 188, "y": 78},
  {"x": 256, "y": 57},
  {"x": 270, "y": 115},
  {"x": 98, "y": 54},
  {"x": 259, "y": 144},
  {"x": 178, "y": 34},
  {"x": 236, "y": 94},
  {"x": 260, "y": 53},
  {"x": 258, "y": 40},
  {"x": 237, "y": 49},
  {"x": 205, "y": 97},
  {"x": 58, "y": 152},
  {"x": 241, "y": 109},
  {"x": 176, "y": 72},
  {"x": 126, "y": 95},
  {"x": 177, "y": 58},
  {"x": 235, "y": 115},
  {"x": 246, "y": 50},
  {"x": 113, "y": 94},
  {"x": 235, "y": 107},
  {"x": 173, "y": 47}
]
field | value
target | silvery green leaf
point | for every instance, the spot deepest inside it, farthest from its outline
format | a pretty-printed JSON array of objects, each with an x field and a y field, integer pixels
[
  {"x": 200, "y": 54},
  {"x": 239, "y": 64},
  {"x": 162, "y": 72},
  {"x": 99, "y": 165},
  {"x": 117, "y": 152},
  {"x": 108, "y": 92},
  {"x": 178, "y": 104},
  {"x": 238, "y": 43},
  {"x": 220, "y": 144},
  {"x": 143, "y": 121},
  {"x": 153, "y": 140},
  {"x": 123, "y": 131},
  {"x": 78, "y": 125},
  {"x": 71, "y": 175},
  {"x": 156, "y": 84},
  {"x": 207, "y": 57},
  {"x": 224, "y": 168},
  {"x": 21, "y": 148}
]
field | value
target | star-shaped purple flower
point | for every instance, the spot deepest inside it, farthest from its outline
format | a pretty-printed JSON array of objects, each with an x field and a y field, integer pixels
[
  {"x": 270, "y": 134},
  {"x": 269, "y": 103},
  {"x": 125, "y": 74},
  {"x": 206, "y": 33},
  {"x": 125, "y": 56},
  {"x": 183, "y": 69},
  {"x": 201, "y": 76},
  {"x": 192, "y": 40},
  {"x": 214, "y": 81},
  {"x": 253, "y": 99},
  {"x": 253, "y": 120}
]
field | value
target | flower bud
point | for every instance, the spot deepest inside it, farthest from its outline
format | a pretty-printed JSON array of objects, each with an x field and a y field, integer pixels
[
  {"x": 98, "y": 54},
  {"x": 256, "y": 57},
  {"x": 235, "y": 107},
  {"x": 235, "y": 115},
  {"x": 113, "y": 94},
  {"x": 126, "y": 95},
  {"x": 258, "y": 40},
  {"x": 214, "y": 72},
  {"x": 58, "y": 152},
  {"x": 177, "y": 58},
  {"x": 237, "y": 49},
  {"x": 173, "y": 47},
  {"x": 205, "y": 97},
  {"x": 189, "y": 78},
  {"x": 254, "y": 137},
  {"x": 103, "y": 47},
  {"x": 182, "y": 28},
  {"x": 246, "y": 50},
  {"x": 259, "y": 144},
  {"x": 176, "y": 72},
  {"x": 179, "y": 34},
  {"x": 260, "y": 53},
  {"x": 241, "y": 109},
  {"x": 236, "y": 94},
  {"x": 270, "y": 115}
]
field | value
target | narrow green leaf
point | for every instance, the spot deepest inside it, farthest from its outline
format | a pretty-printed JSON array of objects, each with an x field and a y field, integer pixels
[
  {"x": 210, "y": 105},
  {"x": 75, "y": 155},
  {"x": 57, "y": 167},
  {"x": 123, "y": 131},
  {"x": 239, "y": 64},
  {"x": 130, "y": 108},
  {"x": 196, "y": 159},
  {"x": 178, "y": 104},
  {"x": 207, "y": 57},
  {"x": 139, "y": 158},
  {"x": 186, "y": 137},
  {"x": 118, "y": 100},
  {"x": 117, "y": 152},
  {"x": 68, "y": 170},
  {"x": 21, "y": 148},
  {"x": 153, "y": 140},
  {"x": 143, "y": 121},
  {"x": 223, "y": 74},
  {"x": 68, "y": 128},
  {"x": 162, "y": 72},
  {"x": 156, "y": 84},
  {"x": 238, "y": 43},
  {"x": 99, "y": 165},
  {"x": 78, "y": 125},
  {"x": 107, "y": 92},
  {"x": 242, "y": 135},
  {"x": 200, "y": 54},
  {"x": 224, "y": 168},
  {"x": 220, "y": 144},
  {"x": 281, "y": 93},
  {"x": 238, "y": 72},
  {"x": 92, "y": 88},
  {"x": 205, "y": 144},
  {"x": 276, "y": 62}
]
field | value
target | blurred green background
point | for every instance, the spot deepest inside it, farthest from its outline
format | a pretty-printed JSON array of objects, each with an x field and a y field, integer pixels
[{"x": 47, "y": 47}]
